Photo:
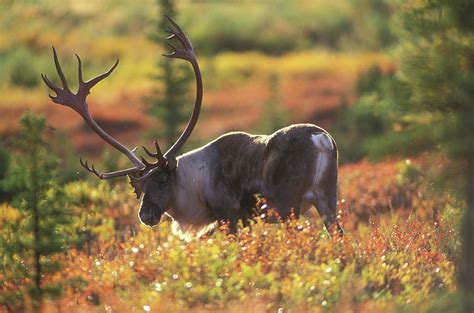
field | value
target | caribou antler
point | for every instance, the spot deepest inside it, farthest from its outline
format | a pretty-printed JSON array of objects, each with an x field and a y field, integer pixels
[
  {"x": 184, "y": 53},
  {"x": 187, "y": 53},
  {"x": 142, "y": 169},
  {"x": 78, "y": 103}
]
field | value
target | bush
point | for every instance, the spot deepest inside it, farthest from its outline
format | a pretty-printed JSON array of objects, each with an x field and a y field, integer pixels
[
  {"x": 23, "y": 71},
  {"x": 4, "y": 162},
  {"x": 30, "y": 246},
  {"x": 375, "y": 125},
  {"x": 282, "y": 26}
]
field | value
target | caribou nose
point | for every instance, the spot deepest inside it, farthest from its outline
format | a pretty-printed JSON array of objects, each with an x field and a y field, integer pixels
[{"x": 148, "y": 218}]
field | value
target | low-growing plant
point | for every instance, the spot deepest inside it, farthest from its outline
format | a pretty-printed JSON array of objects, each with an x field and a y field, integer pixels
[
  {"x": 37, "y": 230},
  {"x": 400, "y": 256}
]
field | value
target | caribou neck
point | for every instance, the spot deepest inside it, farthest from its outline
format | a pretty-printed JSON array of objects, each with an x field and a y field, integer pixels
[{"x": 189, "y": 186}]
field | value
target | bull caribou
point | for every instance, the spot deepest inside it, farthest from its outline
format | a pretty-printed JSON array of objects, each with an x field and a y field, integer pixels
[{"x": 294, "y": 168}]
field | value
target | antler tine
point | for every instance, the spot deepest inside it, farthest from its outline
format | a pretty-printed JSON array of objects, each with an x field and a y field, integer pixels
[
  {"x": 184, "y": 41},
  {"x": 171, "y": 46},
  {"x": 153, "y": 155},
  {"x": 120, "y": 173},
  {"x": 90, "y": 169},
  {"x": 156, "y": 154},
  {"x": 178, "y": 33},
  {"x": 92, "y": 82},
  {"x": 78, "y": 103},
  {"x": 79, "y": 70},
  {"x": 157, "y": 146},
  {"x": 173, "y": 35},
  {"x": 59, "y": 69},
  {"x": 173, "y": 23},
  {"x": 146, "y": 162},
  {"x": 169, "y": 55},
  {"x": 50, "y": 85}
]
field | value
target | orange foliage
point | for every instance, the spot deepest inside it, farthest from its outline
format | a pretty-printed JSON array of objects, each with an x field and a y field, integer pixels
[{"x": 400, "y": 248}]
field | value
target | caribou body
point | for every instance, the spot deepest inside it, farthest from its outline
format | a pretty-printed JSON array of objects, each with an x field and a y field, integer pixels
[{"x": 294, "y": 168}]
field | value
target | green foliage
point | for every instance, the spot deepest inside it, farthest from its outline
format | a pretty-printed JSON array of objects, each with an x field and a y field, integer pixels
[
  {"x": 68, "y": 169},
  {"x": 408, "y": 172},
  {"x": 22, "y": 68},
  {"x": 437, "y": 69},
  {"x": 436, "y": 61},
  {"x": 393, "y": 260},
  {"x": 374, "y": 123},
  {"x": 274, "y": 116},
  {"x": 404, "y": 258},
  {"x": 422, "y": 107},
  {"x": 408, "y": 142},
  {"x": 428, "y": 102},
  {"x": 4, "y": 164},
  {"x": 30, "y": 243},
  {"x": 369, "y": 25},
  {"x": 108, "y": 29},
  {"x": 279, "y": 27},
  {"x": 88, "y": 203}
]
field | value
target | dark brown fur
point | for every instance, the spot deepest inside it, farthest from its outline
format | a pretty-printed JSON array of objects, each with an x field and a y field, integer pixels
[
  {"x": 279, "y": 167},
  {"x": 294, "y": 168}
]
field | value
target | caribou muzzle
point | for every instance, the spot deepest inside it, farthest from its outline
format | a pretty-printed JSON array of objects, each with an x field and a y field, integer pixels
[{"x": 150, "y": 215}]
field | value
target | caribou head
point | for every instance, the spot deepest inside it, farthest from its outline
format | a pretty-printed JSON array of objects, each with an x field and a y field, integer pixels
[{"x": 150, "y": 179}]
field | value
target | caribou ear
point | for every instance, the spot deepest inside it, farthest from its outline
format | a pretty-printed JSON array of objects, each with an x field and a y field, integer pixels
[
  {"x": 137, "y": 185},
  {"x": 171, "y": 163}
]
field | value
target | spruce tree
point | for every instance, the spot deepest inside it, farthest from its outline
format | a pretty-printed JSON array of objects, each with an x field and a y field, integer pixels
[
  {"x": 433, "y": 106},
  {"x": 274, "y": 116},
  {"x": 437, "y": 63},
  {"x": 4, "y": 163},
  {"x": 36, "y": 229},
  {"x": 379, "y": 122},
  {"x": 168, "y": 103}
]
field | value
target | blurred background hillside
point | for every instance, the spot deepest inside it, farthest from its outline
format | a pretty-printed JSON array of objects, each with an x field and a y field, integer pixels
[{"x": 305, "y": 54}]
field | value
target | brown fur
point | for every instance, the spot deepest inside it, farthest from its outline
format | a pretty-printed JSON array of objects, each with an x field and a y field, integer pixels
[
  {"x": 277, "y": 166},
  {"x": 293, "y": 168}
]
